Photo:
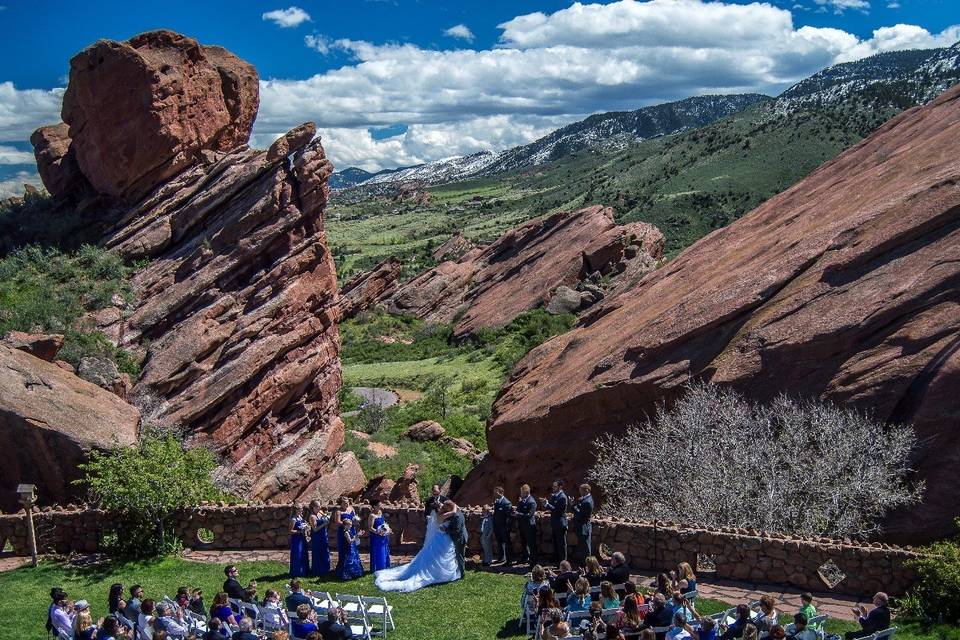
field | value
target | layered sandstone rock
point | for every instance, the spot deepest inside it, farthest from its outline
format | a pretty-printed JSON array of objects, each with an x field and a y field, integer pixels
[
  {"x": 139, "y": 112},
  {"x": 45, "y": 346},
  {"x": 237, "y": 311},
  {"x": 369, "y": 287},
  {"x": 49, "y": 420},
  {"x": 845, "y": 287},
  {"x": 489, "y": 286},
  {"x": 453, "y": 248}
]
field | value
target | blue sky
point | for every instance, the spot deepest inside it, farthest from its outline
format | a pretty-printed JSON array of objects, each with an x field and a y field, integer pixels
[{"x": 398, "y": 82}]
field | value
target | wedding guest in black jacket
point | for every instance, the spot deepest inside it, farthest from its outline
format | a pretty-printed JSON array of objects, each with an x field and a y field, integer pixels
[
  {"x": 231, "y": 585},
  {"x": 877, "y": 620},
  {"x": 335, "y": 627},
  {"x": 582, "y": 526},
  {"x": 502, "y": 515},
  {"x": 527, "y": 524},
  {"x": 557, "y": 506},
  {"x": 434, "y": 501},
  {"x": 619, "y": 572},
  {"x": 566, "y": 576}
]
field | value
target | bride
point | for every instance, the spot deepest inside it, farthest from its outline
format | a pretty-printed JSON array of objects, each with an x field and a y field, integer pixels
[{"x": 435, "y": 563}]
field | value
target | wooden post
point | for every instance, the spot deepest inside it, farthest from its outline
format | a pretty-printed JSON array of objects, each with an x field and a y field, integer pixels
[{"x": 31, "y": 535}]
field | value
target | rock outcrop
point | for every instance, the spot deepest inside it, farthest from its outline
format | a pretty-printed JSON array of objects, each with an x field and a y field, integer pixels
[
  {"x": 845, "y": 287},
  {"x": 49, "y": 421},
  {"x": 236, "y": 312},
  {"x": 139, "y": 112},
  {"x": 366, "y": 289},
  {"x": 489, "y": 286},
  {"x": 453, "y": 248},
  {"x": 45, "y": 346}
]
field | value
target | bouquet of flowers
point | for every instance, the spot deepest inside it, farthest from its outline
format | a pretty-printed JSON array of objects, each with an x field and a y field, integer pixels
[{"x": 383, "y": 530}]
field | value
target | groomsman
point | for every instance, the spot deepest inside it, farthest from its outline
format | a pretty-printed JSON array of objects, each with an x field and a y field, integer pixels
[
  {"x": 527, "y": 524},
  {"x": 434, "y": 502},
  {"x": 502, "y": 514},
  {"x": 582, "y": 512},
  {"x": 557, "y": 506}
]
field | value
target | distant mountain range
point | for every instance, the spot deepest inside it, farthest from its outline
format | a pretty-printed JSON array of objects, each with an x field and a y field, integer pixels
[{"x": 897, "y": 80}]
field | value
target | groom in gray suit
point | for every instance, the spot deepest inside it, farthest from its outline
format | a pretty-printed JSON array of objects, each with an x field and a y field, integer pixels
[{"x": 456, "y": 528}]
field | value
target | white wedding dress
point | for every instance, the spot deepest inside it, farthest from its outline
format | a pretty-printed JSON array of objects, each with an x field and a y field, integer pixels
[{"x": 435, "y": 563}]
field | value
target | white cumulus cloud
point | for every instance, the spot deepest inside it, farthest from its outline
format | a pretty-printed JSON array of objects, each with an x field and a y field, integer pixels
[
  {"x": 13, "y": 185},
  {"x": 12, "y": 155},
  {"x": 23, "y": 110},
  {"x": 839, "y": 6},
  {"x": 287, "y": 18},
  {"x": 461, "y": 31}
]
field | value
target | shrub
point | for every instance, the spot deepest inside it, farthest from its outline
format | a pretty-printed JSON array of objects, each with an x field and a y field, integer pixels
[
  {"x": 936, "y": 595},
  {"x": 798, "y": 466},
  {"x": 143, "y": 487}
]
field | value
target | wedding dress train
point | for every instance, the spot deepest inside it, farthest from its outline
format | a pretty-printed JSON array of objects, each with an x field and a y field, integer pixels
[{"x": 434, "y": 564}]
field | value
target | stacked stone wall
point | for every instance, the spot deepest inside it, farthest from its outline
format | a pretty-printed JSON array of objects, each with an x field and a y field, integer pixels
[{"x": 735, "y": 554}]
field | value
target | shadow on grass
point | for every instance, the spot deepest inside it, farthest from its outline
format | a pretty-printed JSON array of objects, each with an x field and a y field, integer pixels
[{"x": 511, "y": 629}]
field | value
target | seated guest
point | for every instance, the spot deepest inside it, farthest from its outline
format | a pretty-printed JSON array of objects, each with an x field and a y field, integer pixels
[
  {"x": 619, "y": 572},
  {"x": 147, "y": 611},
  {"x": 280, "y": 634},
  {"x": 221, "y": 610},
  {"x": 250, "y": 593},
  {"x": 83, "y": 627},
  {"x": 750, "y": 631},
  {"x": 160, "y": 635},
  {"x": 548, "y": 622},
  {"x": 60, "y": 615},
  {"x": 132, "y": 612},
  {"x": 799, "y": 630},
  {"x": 538, "y": 580},
  {"x": 182, "y": 598},
  {"x": 594, "y": 627},
  {"x": 561, "y": 630},
  {"x": 806, "y": 606},
  {"x": 613, "y": 633},
  {"x": 593, "y": 572},
  {"x": 736, "y": 628},
  {"x": 877, "y": 620},
  {"x": 767, "y": 617},
  {"x": 335, "y": 627},
  {"x": 216, "y": 630},
  {"x": 683, "y": 579},
  {"x": 297, "y": 597},
  {"x": 111, "y": 629},
  {"x": 630, "y": 589},
  {"x": 707, "y": 630},
  {"x": 306, "y": 621},
  {"x": 659, "y": 616},
  {"x": 679, "y": 629},
  {"x": 196, "y": 602},
  {"x": 777, "y": 633},
  {"x": 272, "y": 603},
  {"x": 246, "y": 630},
  {"x": 579, "y": 600},
  {"x": 558, "y": 581},
  {"x": 314, "y": 636},
  {"x": 629, "y": 618},
  {"x": 663, "y": 586},
  {"x": 232, "y": 585},
  {"x": 546, "y": 601},
  {"x": 115, "y": 601},
  {"x": 679, "y": 605},
  {"x": 608, "y": 597},
  {"x": 170, "y": 621}
]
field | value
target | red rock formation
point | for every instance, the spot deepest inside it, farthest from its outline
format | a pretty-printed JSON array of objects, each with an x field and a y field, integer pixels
[
  {"x": 239, "y": 304},
  {"x": 39, "y": 345},
  {"x": 369, "y": 287},
  {"x": 846, "y": 287},
  {"x": 49, "y": 420},
  {"x": 453, "y": 248},
  {"x": 140, "y": 111},
  {"x": 523, "y": 267}
]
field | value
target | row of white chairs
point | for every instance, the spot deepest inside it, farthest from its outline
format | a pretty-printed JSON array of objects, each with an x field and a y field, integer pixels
[{"x": 358, "y": 610}]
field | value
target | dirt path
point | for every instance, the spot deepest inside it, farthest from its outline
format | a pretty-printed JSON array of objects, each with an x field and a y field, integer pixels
[{"x": 373, "y": 395}]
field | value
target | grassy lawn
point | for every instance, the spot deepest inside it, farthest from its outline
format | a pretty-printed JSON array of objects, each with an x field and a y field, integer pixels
[{"x": 483, "y": 606}]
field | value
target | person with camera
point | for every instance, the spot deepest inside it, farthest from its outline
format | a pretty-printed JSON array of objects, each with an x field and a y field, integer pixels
[
  {"x": 335, "y": 627},
  {"x": 593, "y": 627}
]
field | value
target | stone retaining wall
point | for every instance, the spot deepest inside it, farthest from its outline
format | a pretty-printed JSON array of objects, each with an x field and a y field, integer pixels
[{"x": 735, "y": 554}]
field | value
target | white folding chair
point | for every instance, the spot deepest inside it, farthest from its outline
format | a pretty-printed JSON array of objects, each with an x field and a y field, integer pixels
[
  {"x": 146, "y": 633},
  {"x": 690, "y": 595},
  {"x": 195, "y": 621},
  {"x": 883, "y": 635},
  {"x": 358, "y": 623},
  {"x": 322, "y": 601},
  {"x": 377, "y": 607},
  {"x": 236, "y": 605},
  {"x": 349, "y": 604},
  {"x": 272, "y": 619},
  {"x": 124, "y": 620},
  {"x": 574, "y": 618},
  {"x": 63, "y": 635}
]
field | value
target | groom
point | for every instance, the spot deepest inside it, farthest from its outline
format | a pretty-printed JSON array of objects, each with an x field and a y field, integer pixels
[{"x": 456, "y": 528}]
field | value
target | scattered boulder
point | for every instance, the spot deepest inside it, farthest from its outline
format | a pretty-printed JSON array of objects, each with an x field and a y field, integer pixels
[
  {"x": 45, "y": 346},
  {"x": 843, "y": 287},
  {"x": 406, "y": 486},
  {"x": 378, "y": 488},
  {"x": 565, "y": 300},
  {"x": 368, "y": 288},
  {"x": 425, "y": 431},
  {"x": 463, "y": 447},
  {"x": 49, "y": 420},
  {"x": 381, "y": 450},
  {"x": 98, "y": 371},
  {"x": 343, "y": 477},
  {"x": 139, "y": 112}
]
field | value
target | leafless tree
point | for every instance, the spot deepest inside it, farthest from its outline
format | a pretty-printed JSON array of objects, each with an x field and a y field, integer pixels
[{"x": 796, "y": 466}]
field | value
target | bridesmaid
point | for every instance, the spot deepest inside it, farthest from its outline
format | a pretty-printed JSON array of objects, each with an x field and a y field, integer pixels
[
  {"x": 298, "y": 544},
  {"x": 319, "y": 540},
  {"x": 348, "y": 541},
  {"x": 379, "y": 538}
]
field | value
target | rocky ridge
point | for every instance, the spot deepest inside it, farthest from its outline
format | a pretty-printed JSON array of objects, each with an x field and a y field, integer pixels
[{"x": 845, "y": 287}]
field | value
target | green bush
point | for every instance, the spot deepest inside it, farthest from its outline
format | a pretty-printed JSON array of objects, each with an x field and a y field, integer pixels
[
  {"x": 936, "y": 596},
  {"x": 143, "y": 487}
]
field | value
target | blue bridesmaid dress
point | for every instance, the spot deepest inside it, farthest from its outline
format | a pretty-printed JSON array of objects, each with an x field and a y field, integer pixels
[
  {"x": 299, "y": 562},
  {"x": 379, "y": 547},
  {"x": 320, "y": 547},
  {"x": 348, "y": 560}
]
